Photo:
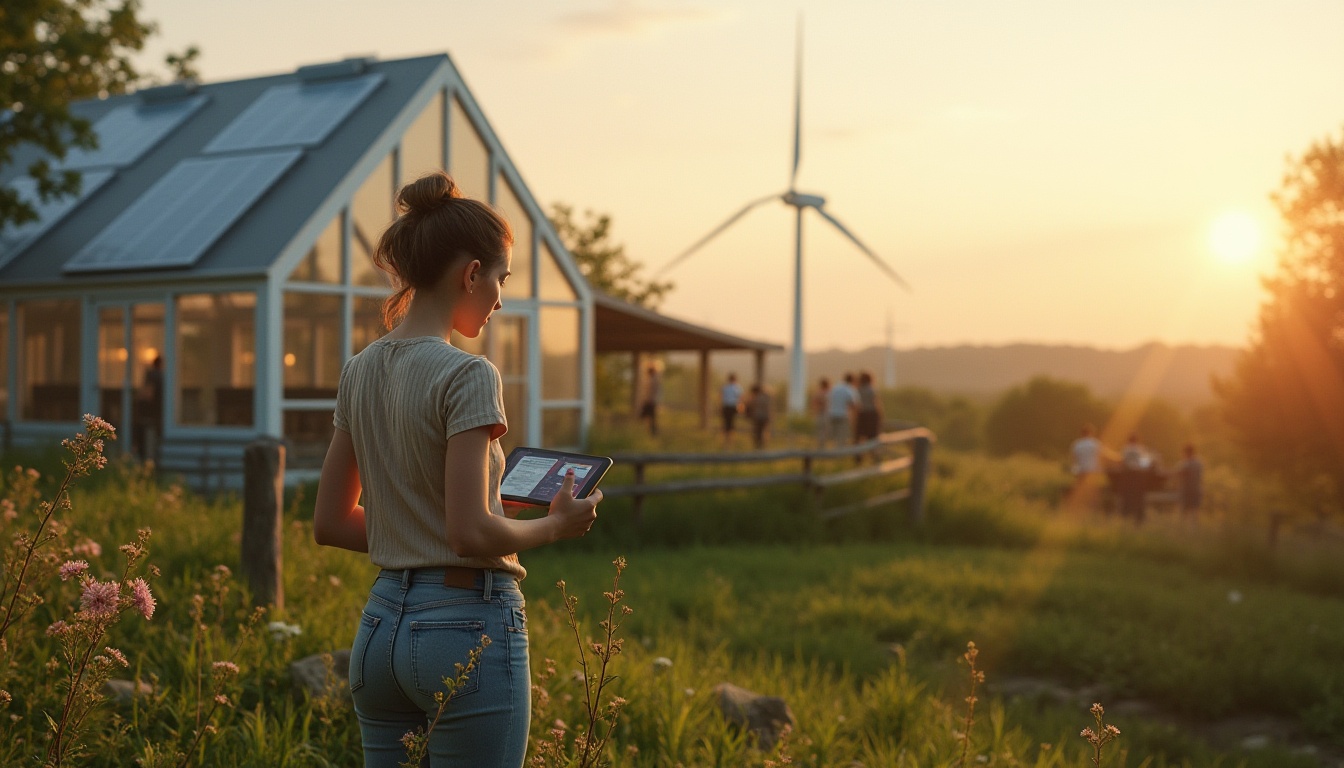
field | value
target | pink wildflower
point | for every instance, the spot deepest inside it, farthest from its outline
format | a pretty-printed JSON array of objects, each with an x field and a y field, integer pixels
[
  {"x": 225, "y": 667},
  {"x": 99, "y": 598},
  {"x": 117, "y": 656},
  {"x": 222, "y": 700},
  {"x": 72, "y": 568},
  {"x": 88, "y": 548},
  {"x": 57, "y": 629},
  {"x": 97, "y": 424},
  {"x": 7, "y": 510},
  {"x": 142, "y": 598},
  {"x": 5, "y": 698}
]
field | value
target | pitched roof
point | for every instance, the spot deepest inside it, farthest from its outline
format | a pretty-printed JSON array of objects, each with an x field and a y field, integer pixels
[{"x": 230, "y": 146}]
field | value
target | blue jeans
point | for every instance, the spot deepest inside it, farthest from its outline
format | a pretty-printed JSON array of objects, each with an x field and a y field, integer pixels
[{"x": 412, "y": 633}]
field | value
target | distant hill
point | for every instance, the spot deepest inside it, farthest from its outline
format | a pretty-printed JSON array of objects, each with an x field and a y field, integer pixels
[{"x": 1183, "y": 372}]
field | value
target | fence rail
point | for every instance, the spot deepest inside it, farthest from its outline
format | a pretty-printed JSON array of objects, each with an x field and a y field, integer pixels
[{"x": 920, "y": 440}]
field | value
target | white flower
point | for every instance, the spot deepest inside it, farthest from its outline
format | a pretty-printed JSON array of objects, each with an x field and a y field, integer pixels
[{"x": 283, "y": 631}]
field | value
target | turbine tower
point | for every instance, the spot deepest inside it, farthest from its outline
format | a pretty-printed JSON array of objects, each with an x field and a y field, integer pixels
[{"x": 800, "y": 202}]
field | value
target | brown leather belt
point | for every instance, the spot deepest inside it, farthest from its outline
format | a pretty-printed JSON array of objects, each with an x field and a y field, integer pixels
[{"x": 463, "y": 576}]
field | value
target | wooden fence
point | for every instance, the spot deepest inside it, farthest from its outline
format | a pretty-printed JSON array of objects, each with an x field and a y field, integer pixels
[{"x": 920, "y": 440}]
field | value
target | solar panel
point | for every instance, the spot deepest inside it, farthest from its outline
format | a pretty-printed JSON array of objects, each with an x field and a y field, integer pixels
[
  {"x": 129, "y": 131},
  {"x": 14, "y": 238},
  {"x": 177, "y": 220},
  {"x": 294, "y": 114}
]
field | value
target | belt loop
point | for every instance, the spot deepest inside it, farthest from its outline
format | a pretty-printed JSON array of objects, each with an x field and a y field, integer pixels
[
  {"x": 489, "y": 582},
  {"x": 405, "y": 579}
]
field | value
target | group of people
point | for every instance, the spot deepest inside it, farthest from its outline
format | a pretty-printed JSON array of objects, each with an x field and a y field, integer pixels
[
  {"x": 848, "y": 411},
  {"x": 755, "y": 404},
  {"x": 1132, "y": 473}
]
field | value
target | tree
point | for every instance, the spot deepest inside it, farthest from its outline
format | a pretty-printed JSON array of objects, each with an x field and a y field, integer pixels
[
  {"x": 1042, "y": 417},
  {"x": 604, "y": 263},
  {"x": 1284, "y": 400},
  {"x": 53, "y": 52}
]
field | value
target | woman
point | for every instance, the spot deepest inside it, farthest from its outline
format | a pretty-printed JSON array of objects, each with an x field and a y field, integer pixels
[
  {"x": 868, "y": 416},
  {"x": 418, "y": 423}
]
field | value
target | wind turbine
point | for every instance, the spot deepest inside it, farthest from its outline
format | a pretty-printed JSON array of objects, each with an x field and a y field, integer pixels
[{"x": 800, "y": 202}]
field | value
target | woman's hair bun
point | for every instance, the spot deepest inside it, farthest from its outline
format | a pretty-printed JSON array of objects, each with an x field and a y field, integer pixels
[{"x": 427, "y": 193}]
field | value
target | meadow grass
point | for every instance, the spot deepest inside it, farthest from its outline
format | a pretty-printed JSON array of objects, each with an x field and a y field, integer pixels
[{"x": 857, "y": 622}]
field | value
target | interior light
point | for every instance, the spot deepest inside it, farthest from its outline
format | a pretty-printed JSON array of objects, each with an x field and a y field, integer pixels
[{"x": 290, "y": 359}]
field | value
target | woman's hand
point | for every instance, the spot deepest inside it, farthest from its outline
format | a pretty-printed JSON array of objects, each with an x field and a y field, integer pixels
[{"x": 573, "y": 517}]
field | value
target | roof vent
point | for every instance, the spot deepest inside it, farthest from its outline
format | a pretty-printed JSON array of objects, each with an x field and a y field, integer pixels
[
  {"x": 345, "y": 68},
  {"x": 177, "y": 90}
]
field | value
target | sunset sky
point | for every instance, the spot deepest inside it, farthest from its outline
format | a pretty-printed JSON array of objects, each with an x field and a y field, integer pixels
[{"x": 1039, "y": 171}]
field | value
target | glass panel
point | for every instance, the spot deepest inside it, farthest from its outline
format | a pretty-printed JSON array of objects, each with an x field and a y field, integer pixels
[
  {"x": 5, "y": 364},
  {"x": 559, "y": 353},
  {"x": 216, "y": 358},
  {"x": 308, "y": 434},
  {"x": 113, "y": 362},
  {"x": 323, "y": 262},
  {"x": 468, "y": 157},
  {"x": 371, "y": 210},
  {"x": 551, "y": 282},
  {"x": 508, "y": 351},
  {"x": 368, "y": 323},
  {"x": 147, "y": 347},
  {"x": 312, "y": 358},
  {"x": 422, "y": 145},
  {"x": 519, "y": 285},
  {"x": 49, "y": 338},
  {"x": 560, "y": 428}
]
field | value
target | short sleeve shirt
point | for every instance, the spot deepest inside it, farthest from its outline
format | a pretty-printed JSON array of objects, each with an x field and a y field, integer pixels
[{"x": 400, "y": 400}]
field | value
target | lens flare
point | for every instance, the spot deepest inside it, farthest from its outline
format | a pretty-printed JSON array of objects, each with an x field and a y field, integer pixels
[{"x": 1235, "y": 237}]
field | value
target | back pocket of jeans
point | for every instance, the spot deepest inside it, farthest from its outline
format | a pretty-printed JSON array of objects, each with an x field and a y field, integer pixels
[
  {"x": 360, "y": 649},
  {"x": 437, "y": 647}
]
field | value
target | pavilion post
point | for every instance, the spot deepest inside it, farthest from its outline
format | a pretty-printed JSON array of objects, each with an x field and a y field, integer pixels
[{"x": 704, "y": 389}]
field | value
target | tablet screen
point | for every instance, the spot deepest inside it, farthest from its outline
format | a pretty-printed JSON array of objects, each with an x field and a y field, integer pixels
[{"x": 535, "y": 475}]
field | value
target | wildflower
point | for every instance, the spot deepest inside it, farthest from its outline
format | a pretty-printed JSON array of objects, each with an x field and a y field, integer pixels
[
  {"x": 5, "y": 698},
  {"x": 99, "y": 598},
  {"x": 117, "y": 656},
  {"x": 95, "y": 424},
  {"x": 72, "y": 568},
  {"x": 88, "y": 548},
  {"x": 222, "y": 700},
  {"x": 661, "y": 663},
  {"x": 7, "y": 510},
  {"x": 283, "y": 631},
  {"x": 225, "y": 667},
  {"x": 142, "y": 598}
]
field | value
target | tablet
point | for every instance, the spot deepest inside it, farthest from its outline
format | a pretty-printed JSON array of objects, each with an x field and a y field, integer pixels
[{"x": 533, "y": 475}]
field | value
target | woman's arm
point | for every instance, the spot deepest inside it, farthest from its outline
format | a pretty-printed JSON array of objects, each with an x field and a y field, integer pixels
[
  {"x": 474, "y": 532},
  {"x": 338, "y": 519}
]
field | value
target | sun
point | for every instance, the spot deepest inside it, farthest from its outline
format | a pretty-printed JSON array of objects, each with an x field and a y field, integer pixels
[{"x": 1235, "y": 237}]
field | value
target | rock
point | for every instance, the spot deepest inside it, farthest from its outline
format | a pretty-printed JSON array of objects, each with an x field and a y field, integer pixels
[
  {"x": 1255, "y": 741},
  {"x": 125, "y": 691},
  {"x": 310, "y": 674},
  {"x": 764, "y": 716}
]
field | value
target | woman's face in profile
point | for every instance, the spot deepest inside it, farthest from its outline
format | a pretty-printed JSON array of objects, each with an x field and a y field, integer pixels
[{"x": 484, "y": 298}]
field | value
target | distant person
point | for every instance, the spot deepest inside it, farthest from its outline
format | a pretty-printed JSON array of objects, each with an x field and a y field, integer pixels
[
  {"x": 1134, "y": 479},
  {"x": 730, "y": 404},
  {"x": 840, "y": 404},
  {"x": 1190, "y": 477},
  {"x": 648, "y": 404},
  {"x": 1087, "y": 455},
  {"x": 820, "y": 402},
  {"x": 868, "y": 411},
  {"x": 149, "y": 412},
  {"x": 758, "y": 410}
]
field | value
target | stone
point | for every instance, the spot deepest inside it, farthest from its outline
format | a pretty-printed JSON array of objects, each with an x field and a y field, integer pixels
[
  {"x": 763, "y": 716},
  {"x": 310, "y": 675},
  {"x": 125, "y": 691}
]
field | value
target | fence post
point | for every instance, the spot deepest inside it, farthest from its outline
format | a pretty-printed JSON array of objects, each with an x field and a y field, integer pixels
[
  {"x": 919, "y": 474},
  {"x": 639, "y": 497},
  {"x": 263, "y": 489}
]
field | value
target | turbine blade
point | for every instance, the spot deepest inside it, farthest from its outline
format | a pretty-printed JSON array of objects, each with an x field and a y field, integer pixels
[
  {"x": 713, "y": 233},
  {"x": 797, "y": 105},
  {"x": 876, "y": 259}
]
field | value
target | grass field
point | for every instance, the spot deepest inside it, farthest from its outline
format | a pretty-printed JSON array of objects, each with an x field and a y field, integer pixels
[{"x": 1194, "y": 639}]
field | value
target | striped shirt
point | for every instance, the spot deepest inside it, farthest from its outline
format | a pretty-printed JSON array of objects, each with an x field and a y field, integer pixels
[{"x": 400, "y": 400}]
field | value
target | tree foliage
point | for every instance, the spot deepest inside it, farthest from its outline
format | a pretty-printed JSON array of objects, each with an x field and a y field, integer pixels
[
  {"x": 1041, "y": 417},
  {"x": 604, "y": 263},
  {"x": 55, "y": 52},
  {"x": 1285, "y": 399}
]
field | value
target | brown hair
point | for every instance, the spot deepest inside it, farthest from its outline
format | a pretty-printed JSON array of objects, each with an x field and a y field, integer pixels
[{"x": 435, "y": 226}]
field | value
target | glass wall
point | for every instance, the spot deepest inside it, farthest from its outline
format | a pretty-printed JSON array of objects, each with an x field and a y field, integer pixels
[
  {"x": 468, "y": 157},
  {"x": 508, "y": 351},
  {"x": 312, "y": 354},
  {"x": 560, "y": 428},
  {"x": 113, "y": 365},
  {"x": 216, "y": 359},
  {"x": 371, "y": 212},
  {"x": 6, "y": 365},
  {"x": 519, "y": 285},
  {"x": 422, "y": 145},
  {"x": 49, "y": 342},
  {"x": 323, "y": 262},
  {"x": 560, "y": 353},
  {"x": 552, "y": 285},
  {"x": 368, "y": 326}
]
